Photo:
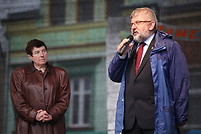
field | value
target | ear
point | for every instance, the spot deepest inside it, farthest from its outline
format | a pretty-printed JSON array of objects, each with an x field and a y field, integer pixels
[
  {"x": 29, "y": 56},
  {"x": 152, "y": 25}
]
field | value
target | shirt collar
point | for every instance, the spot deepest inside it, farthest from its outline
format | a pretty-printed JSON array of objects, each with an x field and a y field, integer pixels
[{"x": 148, "y": 41}]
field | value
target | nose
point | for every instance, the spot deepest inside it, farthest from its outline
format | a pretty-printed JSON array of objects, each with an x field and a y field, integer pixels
[
  {"x": 42, "y": 53},
  {"x": 133, "y": 28},
  {"x": 133, "y": 25}
]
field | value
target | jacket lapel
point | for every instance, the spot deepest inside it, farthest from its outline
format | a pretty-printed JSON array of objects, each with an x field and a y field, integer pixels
[{"x": 146, "y": 57}]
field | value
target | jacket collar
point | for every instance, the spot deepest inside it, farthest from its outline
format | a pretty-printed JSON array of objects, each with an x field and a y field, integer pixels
[
  {"x": 160, "y": 36},
  {"x": 30, "y": 68}
]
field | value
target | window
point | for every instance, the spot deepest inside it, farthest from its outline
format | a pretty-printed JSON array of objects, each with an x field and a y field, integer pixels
[
  {"x": 85, "y": 10},
  {"x": 57, "y": 12},
  {"x": 79, "y": 115}
]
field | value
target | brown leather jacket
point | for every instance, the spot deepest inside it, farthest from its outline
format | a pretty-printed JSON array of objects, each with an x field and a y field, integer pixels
[{"x": 32, "y": 90}]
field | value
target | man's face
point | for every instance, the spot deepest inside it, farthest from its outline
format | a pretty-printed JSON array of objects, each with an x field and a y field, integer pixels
[
  {"x": 39, "y": 56},
  {"x": 140, "y": 27}
]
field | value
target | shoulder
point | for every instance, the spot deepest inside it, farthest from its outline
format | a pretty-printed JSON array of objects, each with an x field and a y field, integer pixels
[
  {"x": 19, "y": 70},
  {"x": 163, "y": 35},
  {"x": 165, "y": 39},
  {"x": 60, "y": 73},
  {"x": 59, "y": 70},
  {"x": 19, "y": 73}
]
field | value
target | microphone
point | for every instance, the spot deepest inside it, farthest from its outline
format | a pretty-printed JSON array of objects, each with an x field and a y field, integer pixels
[{"x": 125, "y": 46}]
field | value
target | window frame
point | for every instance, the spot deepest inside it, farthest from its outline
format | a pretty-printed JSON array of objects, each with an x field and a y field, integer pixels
[{"x": 81, "y": 93}]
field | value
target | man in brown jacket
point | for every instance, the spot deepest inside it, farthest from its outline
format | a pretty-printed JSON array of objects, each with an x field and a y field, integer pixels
[{"x": 40, "y": 93}]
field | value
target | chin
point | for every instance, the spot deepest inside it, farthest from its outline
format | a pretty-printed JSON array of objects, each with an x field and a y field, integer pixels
[
  {"x": 136, "y": 39},
  {"x": 43, "y": 63}
]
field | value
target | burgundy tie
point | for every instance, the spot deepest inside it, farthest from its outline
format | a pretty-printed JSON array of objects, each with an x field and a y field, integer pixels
[{"x": 139, "y": 56}]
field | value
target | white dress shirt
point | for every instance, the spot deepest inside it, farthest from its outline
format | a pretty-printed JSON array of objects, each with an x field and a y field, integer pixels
[{"x": 148, "y": 42}]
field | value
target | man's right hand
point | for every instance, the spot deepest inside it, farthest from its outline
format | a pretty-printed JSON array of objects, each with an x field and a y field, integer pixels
[
  {"x": 124, "y": 41},
  {"x": 41, "y": 115}
]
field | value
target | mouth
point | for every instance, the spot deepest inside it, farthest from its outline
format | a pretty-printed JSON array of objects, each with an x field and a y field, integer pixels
[
  {"x": 135, "y": 33},
  {"x": 42, "y": 60}
]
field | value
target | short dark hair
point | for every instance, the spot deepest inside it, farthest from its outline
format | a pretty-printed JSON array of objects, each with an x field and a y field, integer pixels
[{"x": 34, "y": 43}]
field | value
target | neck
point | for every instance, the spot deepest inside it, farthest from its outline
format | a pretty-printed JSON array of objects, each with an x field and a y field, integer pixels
[{"x": 40, "y": 67}]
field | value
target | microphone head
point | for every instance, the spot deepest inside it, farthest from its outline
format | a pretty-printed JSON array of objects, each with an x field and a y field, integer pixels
[{"x": 130, "y": 37}]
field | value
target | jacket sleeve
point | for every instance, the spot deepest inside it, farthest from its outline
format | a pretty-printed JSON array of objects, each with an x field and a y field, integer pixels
[
  {"x": 25, "y": 112},
  {"x": 116, "y": 68},
  {"x": 179, "y": 79},
  {"x": 58, "y": 110}
]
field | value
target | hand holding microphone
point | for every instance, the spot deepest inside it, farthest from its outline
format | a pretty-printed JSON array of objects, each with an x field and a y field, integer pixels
[{"x": 124, "y": 45}]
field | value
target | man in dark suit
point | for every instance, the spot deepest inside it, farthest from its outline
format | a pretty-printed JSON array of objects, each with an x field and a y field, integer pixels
[{"x": 154, "y": 80}]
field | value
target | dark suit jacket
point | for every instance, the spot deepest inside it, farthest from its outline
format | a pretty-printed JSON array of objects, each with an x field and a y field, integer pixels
[{"x": 139, "y": 93}]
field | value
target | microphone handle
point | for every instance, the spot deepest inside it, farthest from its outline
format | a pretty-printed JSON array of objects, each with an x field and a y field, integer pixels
[{"x": 123, "y": 49}]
